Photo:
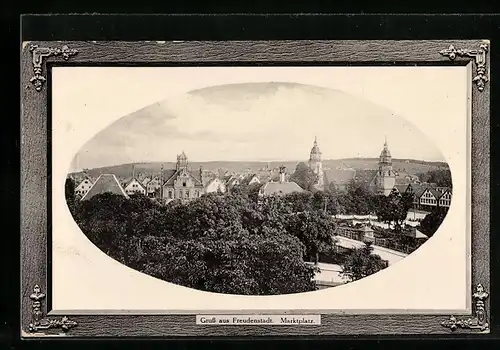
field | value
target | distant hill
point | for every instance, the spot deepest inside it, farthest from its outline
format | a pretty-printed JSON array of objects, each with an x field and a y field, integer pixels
[{"x": 409, "y": 166}]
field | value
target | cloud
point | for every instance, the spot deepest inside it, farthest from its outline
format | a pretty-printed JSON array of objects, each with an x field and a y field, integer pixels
[{"x": 260, "y": 121}]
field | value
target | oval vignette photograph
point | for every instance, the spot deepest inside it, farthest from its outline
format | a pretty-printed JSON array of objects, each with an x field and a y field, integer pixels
[{"x": 261, "y": 188}]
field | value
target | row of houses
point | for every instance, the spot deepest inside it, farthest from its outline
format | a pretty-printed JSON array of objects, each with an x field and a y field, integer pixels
[
  {"x": 427, "y": 197},
  {"x": 187, "y": 186},
  {"x": 183, "y": 183}
]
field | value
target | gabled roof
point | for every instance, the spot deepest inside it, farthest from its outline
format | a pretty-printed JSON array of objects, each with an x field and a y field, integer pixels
[
  {"x": 413, "y": 232},
  {"x": 401, "y": 188},
  {"x": 105, "y": 183},
  {"x": 280, "y": 188},
  {"x": 168, "y": 174},
  {"x": 419, "y": 190},
  {"x": 136, "y": 181},
  {"x": 435, "y": 193},
  {"x": 246, "y": 180},
  {"x": 192, "y": 174},
  {"x": 155, "y": 180},
  {"x": 83, "y": 180},
  {"x": 448, "y": 190},
  {"x": 125, "y": 181},
  {"x": 339, "y": 176},
  {"x": 232, "y": 180},
  {"x": 214, "y": 180}
]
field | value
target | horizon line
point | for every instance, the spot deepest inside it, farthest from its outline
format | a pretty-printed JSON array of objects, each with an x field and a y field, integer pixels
[{"x": 256, "y": 161}]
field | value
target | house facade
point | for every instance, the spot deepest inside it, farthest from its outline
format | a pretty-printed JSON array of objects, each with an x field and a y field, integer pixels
[
  {"x": 427, "y": 197},
  {"x": 281, "y": 187},
  {"x": 215, "y": 185},
  {"x": 232, "y": 181},
  {"x": 134, "y": 186},
  {"x": 182, "y": 184},
  {"x": 445, "y": 199},
  {"x": 83, "y": 187},
  {"x": 250, "y": 179},
  {"x": 145, "y": 181},
  {"x": 153, "y": 187}
]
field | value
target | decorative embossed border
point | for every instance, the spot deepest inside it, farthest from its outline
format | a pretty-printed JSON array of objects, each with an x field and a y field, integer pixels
[{"x": 36, "y": 59}]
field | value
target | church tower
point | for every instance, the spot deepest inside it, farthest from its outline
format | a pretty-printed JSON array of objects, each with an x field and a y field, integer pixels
[
  {"x": 182, "y": 162},
  {"x": 386, "y": 177},
  {"x": 316, "y": 165}
]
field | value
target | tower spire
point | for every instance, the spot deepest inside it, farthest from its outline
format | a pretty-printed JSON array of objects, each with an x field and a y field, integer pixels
[
  {"x": 385, "y": 143},
  {"x": 315, "y": 163}
]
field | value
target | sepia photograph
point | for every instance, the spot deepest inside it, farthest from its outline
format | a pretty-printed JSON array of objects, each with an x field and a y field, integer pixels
[
  {"x": 259, "y": 189},
  {"x": 175, "y": 188}
]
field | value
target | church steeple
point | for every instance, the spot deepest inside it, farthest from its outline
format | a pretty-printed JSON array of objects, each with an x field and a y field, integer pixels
[
  {"x": 182, "y": 161},
  {"x": 315, "y": 152},
  {"x": 315, "y": 164},
  {"x": 386, "y": 178},
  {"x": 385, "y": 158}
]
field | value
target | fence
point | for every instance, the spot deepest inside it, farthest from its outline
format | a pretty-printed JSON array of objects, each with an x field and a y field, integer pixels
[{"x": 380, "y": 242}]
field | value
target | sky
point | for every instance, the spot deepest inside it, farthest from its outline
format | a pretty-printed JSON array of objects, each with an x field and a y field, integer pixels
[{"x": 260, "y": 121}]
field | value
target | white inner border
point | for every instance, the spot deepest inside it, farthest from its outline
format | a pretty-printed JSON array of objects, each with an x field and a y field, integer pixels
[{"x": 434, "y": 279}]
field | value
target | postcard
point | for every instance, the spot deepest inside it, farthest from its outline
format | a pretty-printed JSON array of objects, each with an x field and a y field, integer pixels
[{"x": 217, "y": 198}]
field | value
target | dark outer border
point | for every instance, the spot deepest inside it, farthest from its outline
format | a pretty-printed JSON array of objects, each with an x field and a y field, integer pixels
[{"x": 34, "y": 163}]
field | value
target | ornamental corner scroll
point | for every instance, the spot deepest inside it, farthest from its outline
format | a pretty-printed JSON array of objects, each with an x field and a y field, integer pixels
[
  {"x": 39, "y": 53},
  {"x": 39, "y": 323},
  {"x": 479, "y": 320},
  {"x": 479, "y": 57}
]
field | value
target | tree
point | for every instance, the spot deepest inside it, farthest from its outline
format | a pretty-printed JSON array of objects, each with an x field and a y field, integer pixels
[
  {"x": 332, "y": 188},
  {"x": 431, "y": 222},
  {"x": 315, "y": 229},
  {"x": 218, "y": 243},
  {"x": 358, "y": 199},
  {"x": 69, "y": 190},
  {"x": 240, "y": 263},
  {"x": 299, "y": 201},
  {"x": 393, "y": 209},
  {"x": 361, "y": 262},
  {"x": 441, "y": 177},
  {"x": 304, "y": 177}
]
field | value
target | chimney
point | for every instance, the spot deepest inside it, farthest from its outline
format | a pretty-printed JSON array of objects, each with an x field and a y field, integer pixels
[{"x": 282, "y": 174}]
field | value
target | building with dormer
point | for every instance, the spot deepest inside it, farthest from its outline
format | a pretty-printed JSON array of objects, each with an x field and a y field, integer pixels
[
  {"x": 280, "y": 187},
  {"x": 182, "y": 183},
  {"x": 134, "y": 186},
  {"x": 83, "y": 187}
]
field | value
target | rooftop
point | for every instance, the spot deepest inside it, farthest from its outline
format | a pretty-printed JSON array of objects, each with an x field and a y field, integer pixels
[
  {"x": 280, "y": 188},
  {"x": 106, "y": 183}
]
